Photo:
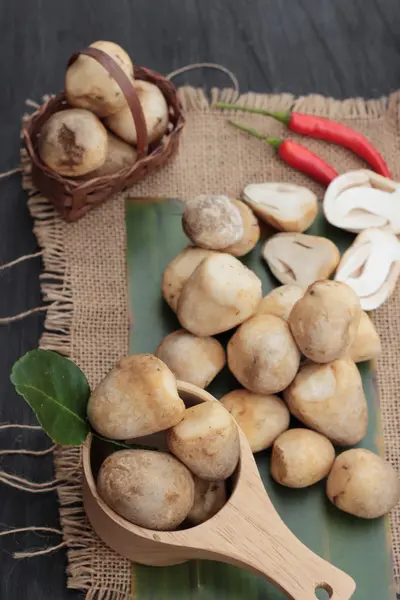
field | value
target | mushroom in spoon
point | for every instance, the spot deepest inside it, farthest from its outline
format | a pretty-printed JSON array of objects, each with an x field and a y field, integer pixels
[
  {"x": 299, "y": 258},
  {"x": 357, "y": 200},
  {"x": 371, "y": 267},
  {"x": 285, "y": 206}
]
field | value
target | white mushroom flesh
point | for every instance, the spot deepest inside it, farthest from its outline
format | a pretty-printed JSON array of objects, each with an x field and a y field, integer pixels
[
  {"x": 371, "y": 267},
  {"x": 299, "y": 258},
  {"x": 358, "y": 200},
  {"x": 285, "y": 206}
]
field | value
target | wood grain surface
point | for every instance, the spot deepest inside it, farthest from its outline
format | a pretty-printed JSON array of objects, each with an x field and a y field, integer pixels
[{"x": 333, "y": 47}]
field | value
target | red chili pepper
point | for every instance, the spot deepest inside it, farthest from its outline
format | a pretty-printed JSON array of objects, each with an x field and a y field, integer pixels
[
  {"x": 325, "y": 129},
  {"x": 297, "y": 156}
]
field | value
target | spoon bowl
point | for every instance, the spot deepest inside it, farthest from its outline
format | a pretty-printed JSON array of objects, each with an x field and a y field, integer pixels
[{"x": 247, "y": 532}]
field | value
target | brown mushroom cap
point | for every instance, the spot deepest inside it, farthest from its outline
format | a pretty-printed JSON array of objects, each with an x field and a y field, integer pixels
[
  {"x": 262, "y": 418},
  {"x": 301, "y": 457},
  {"x": 363, "y": 484},
  {"x": 155, "y": 111},
  {"x": 330, "y": 399},
  {"x": 209, "y": 498},
  {"x": 150, "y": 489},
  {"x": 119, "y": 156},
  {"x": 219, "y": 295},
  {"x": 88, "y": 85},
  {"x": 212, "y": 222},
  {"x": 196, "y": 360},
  {"x": 251, "y": 231},
  {"x": 73, "y": 142},
  {"x": 325, "y": 320},
  {"x": 262, "y": 355}
]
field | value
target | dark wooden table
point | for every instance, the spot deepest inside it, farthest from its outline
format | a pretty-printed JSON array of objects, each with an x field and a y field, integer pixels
[{"x": 334, "y": 47}]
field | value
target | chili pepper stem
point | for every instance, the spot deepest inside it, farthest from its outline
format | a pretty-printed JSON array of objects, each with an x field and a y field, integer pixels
[
  {"x": 283, "y": 117},
  {"x": 275, "y": 142}
]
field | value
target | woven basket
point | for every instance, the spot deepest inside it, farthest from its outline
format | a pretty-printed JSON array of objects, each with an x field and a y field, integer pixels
[{"x": 74, "y": 198}]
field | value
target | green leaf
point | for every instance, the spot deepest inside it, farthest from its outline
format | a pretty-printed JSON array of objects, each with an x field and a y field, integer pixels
[{"x": 58, "y": 393}]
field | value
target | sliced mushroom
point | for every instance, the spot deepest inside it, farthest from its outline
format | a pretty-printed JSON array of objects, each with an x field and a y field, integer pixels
[
  {"x": 219, "y": 295},
  {"x": 212, "y": 222},
  {"x": 178, "y": 272},
  {"x": 367, "y": 345},
  {"x": 285, "y": 206},
  {"x": 371, "y": 267},
  {"x": 280, "y": 301},
  {"x": 299, "y": 258},
  {"x": 357, "y": 200},
  {"x": 251, "y": 231}
]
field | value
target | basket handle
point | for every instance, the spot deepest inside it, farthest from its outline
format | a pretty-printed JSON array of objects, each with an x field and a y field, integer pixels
[{"x": 113, "y": 68}]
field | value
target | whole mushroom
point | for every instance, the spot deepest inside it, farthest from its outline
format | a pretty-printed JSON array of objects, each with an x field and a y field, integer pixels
[
  {"x": 280, "y": 301},
  {"x": 262, "y": 418},
  {"x": 251, "y": 231},
  {"x": 119, "y": 156},
  {"x": 212, "y": 222},
  {"x": 219, "y": 295},
  {"x": 209, "y": 498},
  {"x": 367, "y": 345},
  {"x": 363, "y": 484},
  {"x": 330, "y": 399},
  {"x": 73, "y": 142},
  {"x": 324, "y": 322},
  {"x": 88, "y": 84},
  {"x": 155, "y": 112},
  {"x": 263, "y": 355},
  {"x": 196, "y": 360},
  {"x": 136, "y": 398}
]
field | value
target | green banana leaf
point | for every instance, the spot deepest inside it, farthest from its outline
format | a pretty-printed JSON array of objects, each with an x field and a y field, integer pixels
[{"x": 360, "y": 547}]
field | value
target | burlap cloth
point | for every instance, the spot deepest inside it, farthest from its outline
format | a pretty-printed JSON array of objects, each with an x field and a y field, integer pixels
[{"x": 85, "y": 278}]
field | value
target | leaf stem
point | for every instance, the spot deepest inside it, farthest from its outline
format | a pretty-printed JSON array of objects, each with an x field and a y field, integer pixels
[{"x": 122, "y": 444}]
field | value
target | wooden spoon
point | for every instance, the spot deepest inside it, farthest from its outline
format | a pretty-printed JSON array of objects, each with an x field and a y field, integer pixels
[{"x": 247, "y": 532}]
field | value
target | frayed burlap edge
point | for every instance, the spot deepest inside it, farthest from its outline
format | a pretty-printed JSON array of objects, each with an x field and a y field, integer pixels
[{"x": 56, "y": 289}]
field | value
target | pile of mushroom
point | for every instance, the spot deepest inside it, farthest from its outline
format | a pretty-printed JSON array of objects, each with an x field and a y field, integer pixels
[
  {"x": 97, "y": 136},
  {"x": 212, "y": 292},
  {"x": 182, "y": 479}
]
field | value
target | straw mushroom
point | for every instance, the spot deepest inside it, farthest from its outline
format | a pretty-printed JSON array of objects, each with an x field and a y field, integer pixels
[
  {"x": 196, "y": 360},
  {"x": 262, "y": 418},
  {"x": 363, "y": 484},
  {"x": 301, "y": 457},
  {"x": 361, "y": 199},
  {"x": 73, "y": 142},
  {"x": 330, "y": 399},
  {"x": 212, "y": 222},
  {"x": 371, "y": 267},
  {"x": 280, "y": 301},
  {"x": 220, "y": 294},
  {"x": 206, "y": 441},
  {"x": 138, "y": 397},
  {"x": 285, "y": 206},
  {"x": 251, "y": 231},
  {"x": 120, "y": 156},
  {"x": 178, "y": 272},
  {"x": 367, "y": 345},
  {"x": 324, "y": 322},
  {"x": 262, "y": 355},
  {"x": 148, "y": 488},
  {"x": 155, "y": 111},
  {"x": 209, "y": 498},
  {"x": 89, "y": 85},
  {"x": 299, "y": 258}
]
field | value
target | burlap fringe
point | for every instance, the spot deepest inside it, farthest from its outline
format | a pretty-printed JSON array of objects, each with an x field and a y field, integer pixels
[{"x": 80, "y": 540}]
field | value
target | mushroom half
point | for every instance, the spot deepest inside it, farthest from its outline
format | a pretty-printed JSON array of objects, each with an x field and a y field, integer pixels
[
  {"x": 285, "y": 206},
  {"x": 299, "y": 258},
  {"x": 371, "y": 267},
  {"x": 361, "y": 199}
]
